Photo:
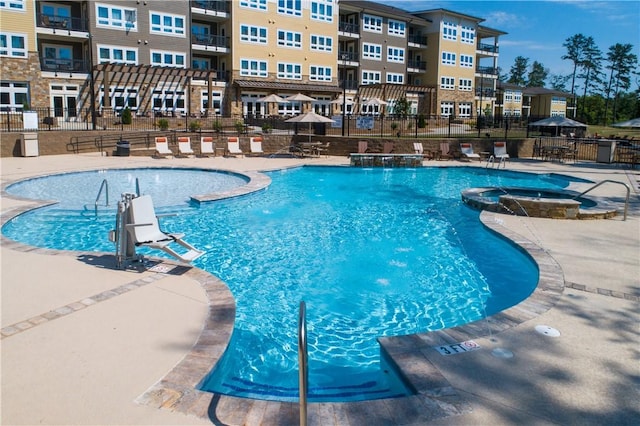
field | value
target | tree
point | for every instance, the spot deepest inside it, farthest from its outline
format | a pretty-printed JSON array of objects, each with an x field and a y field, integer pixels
[
  {"x": 402, "y": 107},
  {"x": 559, "y": 82},
  {"x": 518, "y": 71},
  {"x": 621, "y": 63},
  {"x": 537, "y": 75},
  {"x": 575, "y": 52},
  {"x": 591, "y": 67}
]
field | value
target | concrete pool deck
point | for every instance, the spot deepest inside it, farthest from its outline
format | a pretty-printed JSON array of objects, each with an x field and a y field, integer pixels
[{"x": 83, "y": 343}]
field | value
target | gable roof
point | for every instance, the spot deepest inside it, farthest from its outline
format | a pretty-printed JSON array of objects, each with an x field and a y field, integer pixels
[{"x": 382, "y": 9}]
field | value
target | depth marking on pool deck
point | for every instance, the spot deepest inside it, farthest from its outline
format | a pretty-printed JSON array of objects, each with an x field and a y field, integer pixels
[{"x": 162, "y": 271}]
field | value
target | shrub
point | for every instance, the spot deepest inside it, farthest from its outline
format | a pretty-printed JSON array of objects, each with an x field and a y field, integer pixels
[
  {"x": 422, "y": 123},
  {"x": 194, "y": 126},
  {"x": 126, "y": 116},
  {"x": 239, "y": 126},
  {"x": 163, "y": 124},
  {"x": 217, "y": 126},
  {"x": 266, "y": 128}
]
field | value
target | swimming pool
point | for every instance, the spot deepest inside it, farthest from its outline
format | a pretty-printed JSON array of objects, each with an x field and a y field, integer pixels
[{"x": 372, "y": 252}]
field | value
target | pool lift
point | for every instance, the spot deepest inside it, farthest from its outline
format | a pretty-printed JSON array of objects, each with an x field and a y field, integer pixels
[{"x": 137, "y": 225}]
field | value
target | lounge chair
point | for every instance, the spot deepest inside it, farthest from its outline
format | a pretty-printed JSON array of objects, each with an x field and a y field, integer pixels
[
  {"x": 324, "y": 148},
  {"x": 500, "y": 151},
  {"x": 387, "y": 148},
  {"x": 162, "y": 147},
  {"x": 445, "y": 151},
  {"x": 418, "y": 149},
  {"x": 207, "y": 148},
  {"x": 467, "y": 151},
  {"x": 256, "y": 145},
  {"x": 363, "y": 146},
  {"x": 144, "y": 230},
  {"x": 233, "y": 146},
  {"x": 184, "y": 146}
]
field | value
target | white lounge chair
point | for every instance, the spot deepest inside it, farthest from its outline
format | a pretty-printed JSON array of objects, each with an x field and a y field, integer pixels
[
  {"x": 207, "y": 147},
  {"x": 500, "y": 151},
  {"x": 233, "y": 146},
  {"x": 256, "y": 145},
  {"x": 184, "y": 146},
  {"x": 162, "y": 147},
  {"x": 467, "y": 151},
  {"x": 418, "y": 149},
  {"x": 144, "y": 230}
]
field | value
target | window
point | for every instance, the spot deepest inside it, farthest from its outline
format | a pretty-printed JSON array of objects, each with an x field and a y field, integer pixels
[
  {"x": 121, "y": 97},
  {"x": 289, "y": 39},
  {"x": 13, "y": 95},
  {"x": 372, "y": 51},
  {"x": 517, "y": 97},
  {"x": 449, "y": 31},
  {"x": 170, "y": 99},
  {"x": 397, "y": 28},
  {"x": 466, "y": 61},
  {"x": 319, "y": 73},
  {"x": 448, "y": 58},
  {"x": 251, "y": 34},
  {"x": 465, "y": 84},
  {"x": 508, "y": 96},
  {"x": 163, "y": 23},
  {"x": 57, "y": 57},
  {"x": 395, "y": 54},
  {"x": 115, "y": 17},
  {"x": 13, "y": 45},
  {"x": 370, "y": 77},
  {"x": 254, "y": 4},
  {"x": 290, "y": 7},
  {"x": 168, "y": 59},
  {"x": 372, "y": 23},
  {"x": 118, "y": 54},
  {"x": 12, "y": 4},
  {"x": 58, "y": 15},
  {"x": 447, "y": 83},
  {"x": 558, "y": 100},
  {"x": 322, "y": 43},
  {"x": 467, "y": 34},
  {"x": 253, "y": 68},
  {"x": 289, "y": 71},
  {"x": 395, "y": 78},
  {"x": 446, "y": 109},
  {"x": 322, "y": 10},
  {"x": 464, "y": 110},
  {"x": 200, "y": 63}
]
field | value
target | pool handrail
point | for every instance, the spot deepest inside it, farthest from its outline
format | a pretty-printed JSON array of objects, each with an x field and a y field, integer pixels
[
  {"x": 303, "y": 370},
  {"x": 103, "y": 185},
  {"x": 626, "y": 201}
]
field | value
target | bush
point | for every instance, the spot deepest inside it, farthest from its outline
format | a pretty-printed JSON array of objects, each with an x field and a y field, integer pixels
[
  {"x": 239, "y": 127},
  {"x": 217, "y": 126},
  {"x": 126, "y": 116},
  {"x": 163, "y": 124},
  {"x": 422, "y": 123},
  {"x": 266, "y": 128},
  {"x": 194, "y": 126}
]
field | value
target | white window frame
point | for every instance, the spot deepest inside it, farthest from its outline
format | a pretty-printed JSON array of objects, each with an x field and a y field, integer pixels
[
  {"x": 216, "y": 97},
  {"x": 9, "y": 50},
  {"x": 164, "y": 28},
  {"x": 466, "y": 61},
  {"x": 175, "y": 56},
  {"x": 247, "y": 68},
  {"x": 121, "y": 97},
  {"x": 447, "y": 83},
  {"x": 253, "y": 34},
  {"x": 12, "y": 4},
  {"x": 370, "y": 77},
  {"x": 176, "y": 95},
  {"x": 395, "y": 54},
  {"x": 112, "y": 49},
  {"x": 395, "y": 78},
  {"x": 464, "y": 109},
  {"x": 320, "y": 73},
  {"x": 290, "y": 7},
  {"x": 289, "y": 71},
  {"x": 291, "y": 39},
  {"x": 372, "y": 23},
  {"x": 446, "y": 108},
  {"x": 14, "y": 88},
  {"x": 465, "y": 84},
  {"x": 321, "y": 43},
  {"x": 372, "y": 51},
  {"x": 449, "y": 31},
  {"x": 396, "y": 28},
  {"x": 322, "y": 10},
  {"x": 517, "y": 97},
  {"x": 508, "y": 96},
  {"x": 467, "y": 34},
  {"x": 117, "y": 23},
  {"x": 254, "y": 4},
  {"x": 448, "y": 58}
]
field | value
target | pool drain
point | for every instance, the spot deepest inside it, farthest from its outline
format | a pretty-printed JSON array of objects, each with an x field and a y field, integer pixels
[{"x": 547, "y": 331}]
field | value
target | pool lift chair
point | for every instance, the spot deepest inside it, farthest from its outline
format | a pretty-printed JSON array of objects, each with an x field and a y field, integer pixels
[{"x": 137, "y": 225}]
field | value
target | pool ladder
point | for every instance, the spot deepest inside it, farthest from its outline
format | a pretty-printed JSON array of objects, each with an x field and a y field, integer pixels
[
  {"x": 492, "y": 160},
  {"x": 626, "y": 201},
  {"x": 104, "y": 186},
  {"x": 303, "y": 355}
]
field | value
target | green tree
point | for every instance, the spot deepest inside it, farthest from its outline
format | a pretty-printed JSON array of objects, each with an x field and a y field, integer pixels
[
  {"x": 518, "y": 71},
  {"x": 402, "y": 107},
  {"x": 559, "y": 82},
  {"x": 537, "y": 75},
  {"x": 621, "y": 63},
  {"x": 126, "y": 116},
  {"x": 575, "y": 46},
  {"x": 591, "y": 68}
]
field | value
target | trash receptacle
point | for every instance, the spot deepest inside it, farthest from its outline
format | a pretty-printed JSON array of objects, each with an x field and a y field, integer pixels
[
  {"x": 606, "y": 149},
  {"x": 123, "y": 149},
  {"x": 29, "y": 144}
]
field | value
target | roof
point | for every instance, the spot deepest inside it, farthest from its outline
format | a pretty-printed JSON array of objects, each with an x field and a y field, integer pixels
[
  {"x": 298, "y": 87},
  {"x": 532, "y": 91},
  {"x": 383, "y": 9},
  {"x": 448, "y": 12}
]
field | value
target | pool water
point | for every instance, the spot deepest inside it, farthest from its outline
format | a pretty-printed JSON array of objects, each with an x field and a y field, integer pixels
[{"x": 372, "y": 252}]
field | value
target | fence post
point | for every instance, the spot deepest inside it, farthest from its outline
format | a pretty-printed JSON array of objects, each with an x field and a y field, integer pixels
[{"x": 449, "y": 127}]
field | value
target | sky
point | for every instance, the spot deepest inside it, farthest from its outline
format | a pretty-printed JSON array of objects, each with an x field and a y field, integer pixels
[{"x": 537, "y": 29}]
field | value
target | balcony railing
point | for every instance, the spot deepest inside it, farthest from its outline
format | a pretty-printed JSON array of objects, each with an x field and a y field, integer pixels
[
  {"x": 487, "y": 70},
  {"x": 210, "y": 40},
  {"x": 486, "y": 93},
  {"x": 348, "y": 27},
  {"x": 349, "y": 84},
  {"x": 212, "y": 5},
  {"x": 488, "y": 47},
  {"x": 348, "y": 56},
  {"x": 59, "y": 22},
  {"x": 63, "y": 65},
  {"x": 421, "y": 65},
  {"x": 220, "y": 76},
  {"x": 418, "y": 39}
]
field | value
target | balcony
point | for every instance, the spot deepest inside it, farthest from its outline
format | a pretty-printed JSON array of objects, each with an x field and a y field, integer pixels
[
  {"x": 214, "y": 6},
  {"x": 487, "y": 70},
  {"x": 416, "y": 65},
  {"x": 418, "y": 39},
  {"x": 216, "y": 76},
  {"x": 219, "y": 42},
  {"x": 348, "y": 56},
  {"x": 349, "y": 84},
  {"x": 490, "y": 48},
  {"x": 486, "y": 93},
  {"x": 347, "y": 27},
  {"x": 64, "y": 65},
  {"x": 59, "y": 22}
]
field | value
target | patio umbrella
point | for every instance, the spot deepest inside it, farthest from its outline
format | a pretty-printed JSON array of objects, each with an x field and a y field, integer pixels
[
  {"x": 634, "y": 122},
  {"x": 309, "y": 117},
  {"x": 273, "y": 98},
  {"x": 375, "y": 102},
  {"x": 300, "y": 98},
  {"x": 339, "y": 101},
  {"x": 558, "y": 122}
]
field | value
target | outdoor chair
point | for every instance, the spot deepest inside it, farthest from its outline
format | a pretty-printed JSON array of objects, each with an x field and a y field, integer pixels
[
  {"x": 162, "y": 147},
  {"x": 184, "y": 146},
  {"x": 207, "y": 148}
]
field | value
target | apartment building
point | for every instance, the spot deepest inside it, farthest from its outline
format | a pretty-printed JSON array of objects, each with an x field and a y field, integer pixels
[
  {"x": 220, "y": 57},
  {"x": 517, "y": 101}
]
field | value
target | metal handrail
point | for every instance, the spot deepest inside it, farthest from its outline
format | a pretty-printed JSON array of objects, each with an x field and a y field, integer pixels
[
  {"x": 104, "y": 185},
  {"x": 626, "y": 202},
  {"x": 303, "y": 370}
]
